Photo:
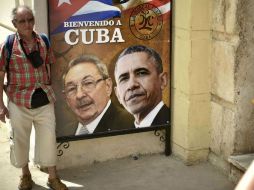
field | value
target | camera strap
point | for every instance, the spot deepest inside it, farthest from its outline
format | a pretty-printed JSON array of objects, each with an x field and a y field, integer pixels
[
  {"x": 27, "y": 56},
  {"x": 24, "y": 50}
]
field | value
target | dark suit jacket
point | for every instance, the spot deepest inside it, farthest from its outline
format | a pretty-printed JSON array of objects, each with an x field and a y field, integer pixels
[
  {"x": 115, "y": 118},
  {"x": 162, "y": 117}
]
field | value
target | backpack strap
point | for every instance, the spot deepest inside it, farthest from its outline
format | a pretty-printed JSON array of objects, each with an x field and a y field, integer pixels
[
  {"x": 9, "y": 45},
  {"x": 45, "y": 39}
]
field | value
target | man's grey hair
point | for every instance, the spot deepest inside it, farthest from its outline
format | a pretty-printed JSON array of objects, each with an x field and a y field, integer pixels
[
  {"x": 152, "y": 54},
  {"x": 15, "y": 10},
  {"x": 83, "y": 59}
]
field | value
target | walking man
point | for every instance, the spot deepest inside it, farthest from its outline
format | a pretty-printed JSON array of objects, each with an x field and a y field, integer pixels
[{"x": 30, "y": 99}]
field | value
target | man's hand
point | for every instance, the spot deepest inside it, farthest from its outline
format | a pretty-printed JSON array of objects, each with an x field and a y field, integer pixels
[{"x": 4, "y": 112}]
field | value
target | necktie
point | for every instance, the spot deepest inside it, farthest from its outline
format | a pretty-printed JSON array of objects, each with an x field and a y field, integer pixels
[{"x": 83, "y": 130}]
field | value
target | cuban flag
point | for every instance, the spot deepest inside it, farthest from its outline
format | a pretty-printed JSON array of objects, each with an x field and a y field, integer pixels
[{"x": 61, "y": 11}]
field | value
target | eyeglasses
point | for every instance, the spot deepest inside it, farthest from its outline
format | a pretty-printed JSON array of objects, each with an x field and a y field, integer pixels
[
  {"x": 23, "y": 21},
  {"x": 87, "y": 85}
]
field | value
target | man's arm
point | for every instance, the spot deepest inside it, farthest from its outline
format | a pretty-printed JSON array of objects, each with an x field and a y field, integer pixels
[{"x": 3, "y": 110}]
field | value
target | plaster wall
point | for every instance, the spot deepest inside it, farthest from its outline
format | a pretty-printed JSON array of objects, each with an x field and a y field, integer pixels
[
  {"x": 41, "y": 23},
  {"x": 90, "y": 151},
  {"x": 6, "y": 26},
  {"x": 191, "y": 79}
]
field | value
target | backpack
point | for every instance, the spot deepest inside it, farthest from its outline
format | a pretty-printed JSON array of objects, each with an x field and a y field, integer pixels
[{"x": 9, "y": 45}]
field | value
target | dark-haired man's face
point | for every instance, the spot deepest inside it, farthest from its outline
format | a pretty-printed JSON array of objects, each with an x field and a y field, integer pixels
[{"x": 138, "y": 84}]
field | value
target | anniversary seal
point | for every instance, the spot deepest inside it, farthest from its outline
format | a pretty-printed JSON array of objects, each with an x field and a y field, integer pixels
[{"x": 146, "y": 21}]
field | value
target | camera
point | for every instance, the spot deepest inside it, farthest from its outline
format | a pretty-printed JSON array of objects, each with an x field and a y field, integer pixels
[{"x": 35, "y": 59}]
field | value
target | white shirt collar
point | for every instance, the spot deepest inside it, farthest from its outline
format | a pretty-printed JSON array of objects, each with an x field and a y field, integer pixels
[
  {"x": 92, "y": 125},
  {"x": 147, "y": 121}
]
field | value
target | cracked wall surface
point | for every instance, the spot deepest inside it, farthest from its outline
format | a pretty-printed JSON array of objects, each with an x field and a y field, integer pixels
[
  {"x": 232, "y": 112},
  {"x": 225, "y": 42},
  {"x": 244, "y": 138}
]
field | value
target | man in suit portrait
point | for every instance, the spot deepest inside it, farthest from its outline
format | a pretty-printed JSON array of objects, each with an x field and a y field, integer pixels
[
  {"x": 87, "y": 90},
  {"x": 140, "y": 81}
]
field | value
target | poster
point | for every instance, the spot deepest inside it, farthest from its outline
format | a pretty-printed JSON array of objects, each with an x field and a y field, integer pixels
[{"x": 135, "y": 91}]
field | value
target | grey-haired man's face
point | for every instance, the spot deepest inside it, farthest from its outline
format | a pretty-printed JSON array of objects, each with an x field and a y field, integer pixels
[
  {"x": 24, "y": 22},
  {"x": 86, "y": 92}
]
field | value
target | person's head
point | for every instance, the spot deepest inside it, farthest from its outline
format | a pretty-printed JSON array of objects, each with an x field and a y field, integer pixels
[
  {"x": 23, "y": 20},
  {"x": 140, "y": 80},
  {"x": 87, "y": 87}
]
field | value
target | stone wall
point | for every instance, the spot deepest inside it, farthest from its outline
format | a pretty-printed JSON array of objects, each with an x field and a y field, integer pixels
[
  {"x": 244, "y": 137},
  {"x": 224, "y": 104},
  {"x": 232, "y": 115}
]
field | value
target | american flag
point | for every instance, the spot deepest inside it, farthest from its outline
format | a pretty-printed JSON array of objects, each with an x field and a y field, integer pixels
[{"x": 163, "y": 5}]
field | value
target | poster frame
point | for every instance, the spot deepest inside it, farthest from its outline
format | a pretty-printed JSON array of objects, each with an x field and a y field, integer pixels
[{"x": 165, "y": 129}]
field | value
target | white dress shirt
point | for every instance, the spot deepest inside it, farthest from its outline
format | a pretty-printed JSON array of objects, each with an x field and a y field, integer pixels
[
  {"x": 147, "y": 121},
  {"x": 92, "y": 125}
]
